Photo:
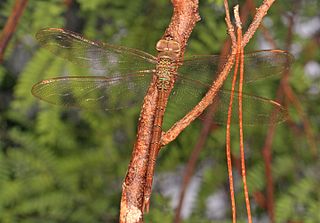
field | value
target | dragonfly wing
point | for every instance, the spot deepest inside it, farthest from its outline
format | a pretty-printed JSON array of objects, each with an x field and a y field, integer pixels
[
  {"x": 94, "y": 92},
  {"x": 264, "y": 64},
  {"x": 99, "y": 56},
  {"x": 258, "y": 65},
  {"x": 187, "y": 93}
]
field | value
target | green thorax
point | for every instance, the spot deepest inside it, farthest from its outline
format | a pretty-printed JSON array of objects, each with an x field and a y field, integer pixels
[{"x": 166, "y": 70}]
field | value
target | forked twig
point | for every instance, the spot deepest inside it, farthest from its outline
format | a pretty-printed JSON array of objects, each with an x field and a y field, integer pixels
[
  {"x": 239, "y": 62},
  {"x": 249, "y": 35},
  {"x": 179, "y": 126},
  {"x": 228, "y": 136},
  {"x": 207, "y": 129}
]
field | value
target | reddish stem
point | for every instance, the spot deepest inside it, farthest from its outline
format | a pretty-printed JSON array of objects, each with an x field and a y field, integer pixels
[
  {"x": 228, "y": 140},
  {"x": 11, "y": 25},
  {"x": 242, "y": 155}
]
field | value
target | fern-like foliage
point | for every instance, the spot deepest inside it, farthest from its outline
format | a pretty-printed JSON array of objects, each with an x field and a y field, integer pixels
[{"x": 67, "y": 165}]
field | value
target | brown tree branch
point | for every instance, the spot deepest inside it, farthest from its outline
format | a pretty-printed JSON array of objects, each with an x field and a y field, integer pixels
[
  {"x": 179, "y": 126},
  {"x": 11, "y": 25},
  {"x": 265, "y": 31},
  {"x": 261, "y": 12},
  {"x": 185, "y": 16},
  {"x": 133, "y": 185}
]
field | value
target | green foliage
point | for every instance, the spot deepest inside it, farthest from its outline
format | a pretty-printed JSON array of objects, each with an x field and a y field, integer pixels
[{"x": 67, "y": 165}]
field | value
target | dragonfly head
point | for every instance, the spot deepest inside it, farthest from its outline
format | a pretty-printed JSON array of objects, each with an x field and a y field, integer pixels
[{"x": 168, "y": 48}]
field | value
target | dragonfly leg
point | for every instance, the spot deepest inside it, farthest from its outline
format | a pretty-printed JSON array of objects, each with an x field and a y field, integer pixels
[
  {"x": 148, "y": 186},
  {"x": 147, "y": 194},
  {"x": 149, "y": 176},
  {"x": 146, "y": 204}
]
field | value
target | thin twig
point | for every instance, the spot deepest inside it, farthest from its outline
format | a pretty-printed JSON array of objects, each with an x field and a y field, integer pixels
[
  {"x": 261, "y": 12},
  {"x": 242, "y": 155},
  {"x": 229, "y": 23},
  {"x": 265, "y": 31},
  {"x": 228, "y": 136},
  {"x": 229, "y": 119},
  {"x": 11, "y": 25}
]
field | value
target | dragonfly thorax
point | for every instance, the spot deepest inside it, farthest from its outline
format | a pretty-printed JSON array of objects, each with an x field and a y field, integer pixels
[{"x": 165, "y": 70}]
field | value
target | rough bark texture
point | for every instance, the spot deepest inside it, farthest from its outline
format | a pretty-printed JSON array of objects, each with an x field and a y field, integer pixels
[{"x": 185, "y": 16}]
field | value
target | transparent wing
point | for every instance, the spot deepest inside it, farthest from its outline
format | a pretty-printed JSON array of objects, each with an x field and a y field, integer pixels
[
  {"x": 112, "y": 60},
  {"x": 258, "y": 65},
  {"x": 187, "y": 93},
  {"x": 97, "y": 92},
  {"x": 94, "y": 92}
]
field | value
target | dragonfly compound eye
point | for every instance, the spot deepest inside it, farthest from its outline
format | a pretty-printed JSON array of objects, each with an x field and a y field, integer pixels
[
  {"x": 168, "y": 46},
  {"x": 174, "y": 46}
]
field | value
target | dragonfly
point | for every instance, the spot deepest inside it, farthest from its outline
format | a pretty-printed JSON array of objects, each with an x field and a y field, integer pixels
[{"x": 121, "y": 77}]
